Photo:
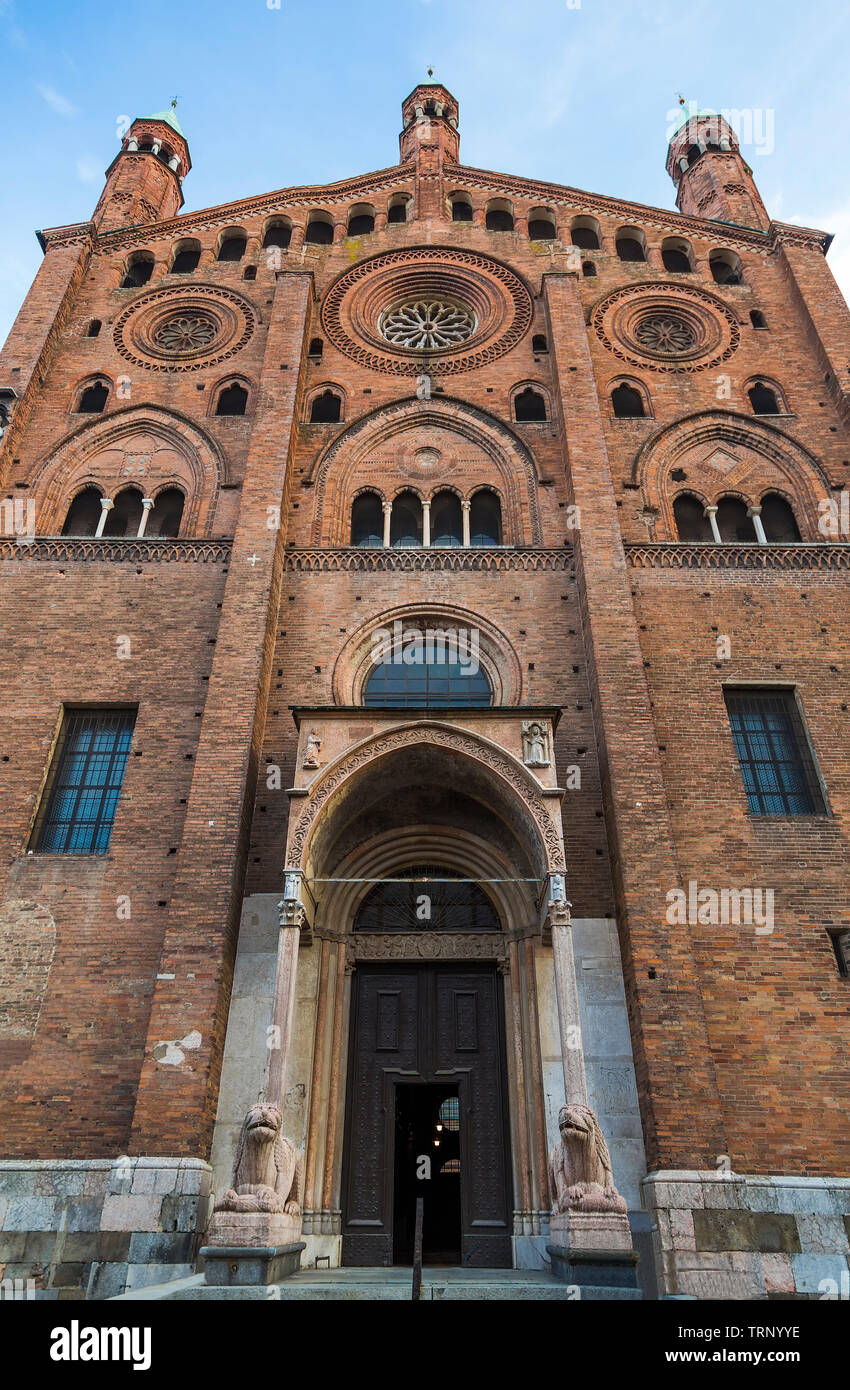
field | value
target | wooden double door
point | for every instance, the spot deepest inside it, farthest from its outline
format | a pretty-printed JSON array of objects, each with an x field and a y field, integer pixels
[{"x": 426, "y": 1114}]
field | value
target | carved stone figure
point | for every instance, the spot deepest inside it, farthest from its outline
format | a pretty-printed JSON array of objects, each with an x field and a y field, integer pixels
[
  {"x": 580, "y": 1176},
  {"x": 312, "y": 750},
  {"x": 535, "y": 743},
  {"x": 268, "y": 1174}
]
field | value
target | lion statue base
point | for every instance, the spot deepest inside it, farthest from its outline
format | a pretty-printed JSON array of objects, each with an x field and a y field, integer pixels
[
  {"x": 587, "y": 1210},
  {"x": 263, "y": 1207}
]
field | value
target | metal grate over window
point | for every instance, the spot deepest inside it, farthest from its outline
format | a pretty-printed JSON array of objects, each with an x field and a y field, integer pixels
[
  {"x": 426, "y": 897},
  {"x": 85, "y": 781},
  {"x": 779, "y": 774}
]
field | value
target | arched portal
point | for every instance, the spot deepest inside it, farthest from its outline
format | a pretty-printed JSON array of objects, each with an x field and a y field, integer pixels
[{"x": 427, "y": 852}]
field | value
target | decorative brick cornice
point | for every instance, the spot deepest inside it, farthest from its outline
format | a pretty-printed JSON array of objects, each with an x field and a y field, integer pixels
[
  {"x": 308, "y": 195},
  {"x": 673, "y": 555},
  {"x": 76, "y": 232},
  {"x": 130, "y": 551},
  {"x": 807, "y": 238},
  {"x": 425, "y": 560}
]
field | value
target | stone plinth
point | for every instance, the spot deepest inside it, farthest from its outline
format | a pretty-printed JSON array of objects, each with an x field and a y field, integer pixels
[
  {"x": 240, "y": 1266},
  {"x": 593, "y": 1248},
  {"x": 590, "y": 1230},
  {"x": 252, "y": 1229}
]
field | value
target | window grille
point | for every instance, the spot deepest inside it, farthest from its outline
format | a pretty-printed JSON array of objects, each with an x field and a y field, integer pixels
[
  {"x": 777, "y": 766},
  {"x": 85, "y": 782},
  {"x": 427, "y": 906}
]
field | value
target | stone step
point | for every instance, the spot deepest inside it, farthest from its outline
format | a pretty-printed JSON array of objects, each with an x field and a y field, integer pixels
[{"x": 448, "y": 1285}]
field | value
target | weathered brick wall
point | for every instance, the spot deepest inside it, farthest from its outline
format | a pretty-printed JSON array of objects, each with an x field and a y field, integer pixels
[
  {"x": 775, "y": 1004},
  {"x": 70, "y": 1068}
]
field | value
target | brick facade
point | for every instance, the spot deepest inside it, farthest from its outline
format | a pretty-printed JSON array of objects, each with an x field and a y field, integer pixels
[{"x": 740, "y": 1041}]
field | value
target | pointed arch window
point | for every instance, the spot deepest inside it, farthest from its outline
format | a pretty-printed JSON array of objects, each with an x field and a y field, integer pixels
[
  {"x": 406, "y": 521},
  {"x": 691, "y": 522},
  {"x": 232, "y": 400},
  {"x": 123, "y": 518},
  {"x": 485, "y": 519},
  {"x": 326, "y": 409},
  {"x": 166, "y": 513},
  {"x": 367, "y": 520},
  {"x": 83, "y": 514},
  {"x": 446, "y": 520},
  {"x": 733, "y": 523},
  {"x": 778, "y": 520},
  {"x": 93, "y": 399},
  {"x": 529, "y": 405}
]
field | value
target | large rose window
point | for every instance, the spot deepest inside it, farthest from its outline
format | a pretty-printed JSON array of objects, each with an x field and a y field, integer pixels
[{"x": 424, "y": 324}]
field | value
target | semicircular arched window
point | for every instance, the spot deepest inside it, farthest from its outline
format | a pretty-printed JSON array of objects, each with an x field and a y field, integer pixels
[
  {"x": 426, "y": 897},
  {"x": 437, "y": 668}
]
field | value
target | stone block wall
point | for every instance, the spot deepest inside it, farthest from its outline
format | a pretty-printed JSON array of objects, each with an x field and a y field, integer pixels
[
  {"x": 92, "y": 1229},
  {"x": 738, "y": 1237}
]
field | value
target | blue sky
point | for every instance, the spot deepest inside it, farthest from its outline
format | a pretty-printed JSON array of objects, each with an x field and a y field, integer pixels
[{"x": 576, "y": 91}]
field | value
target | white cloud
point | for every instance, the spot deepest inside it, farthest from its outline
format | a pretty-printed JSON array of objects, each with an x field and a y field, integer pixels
[{"x": 55, "y": 100}]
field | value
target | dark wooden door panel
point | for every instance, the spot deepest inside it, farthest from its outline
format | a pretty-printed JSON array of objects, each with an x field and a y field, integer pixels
[{"x": 427, "y": 1024}]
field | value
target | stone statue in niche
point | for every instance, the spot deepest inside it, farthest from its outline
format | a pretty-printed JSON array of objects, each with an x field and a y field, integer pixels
[
  {"x": 268, "y": 1172},
  {"x": 312, "y": 750},
  {"x": 580, "y": 1174},
  {"x": 535, "y": 743}
]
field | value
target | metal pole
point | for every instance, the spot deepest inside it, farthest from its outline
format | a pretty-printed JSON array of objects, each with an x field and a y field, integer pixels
[{"x": 417, "y": 1252}]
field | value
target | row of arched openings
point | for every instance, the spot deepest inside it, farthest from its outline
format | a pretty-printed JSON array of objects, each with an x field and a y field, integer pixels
[
  {"x": 444, "y": 522},
  {"x": 631, "y": 401},
  {"x": 127, "y": 516},
  {"x": 734, "y": 521}
]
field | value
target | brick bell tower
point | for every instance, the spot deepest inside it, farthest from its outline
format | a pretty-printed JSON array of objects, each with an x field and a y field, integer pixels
[
  {"x": 430, "y": 140},
  {"x": 711, "y": 176},
  {"x": 143, "y": 182}
]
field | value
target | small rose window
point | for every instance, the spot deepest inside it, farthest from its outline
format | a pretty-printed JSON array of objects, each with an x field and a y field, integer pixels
[{"x": 185, "y": 333}]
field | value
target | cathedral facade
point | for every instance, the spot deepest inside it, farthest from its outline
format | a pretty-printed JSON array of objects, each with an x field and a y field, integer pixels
[{"x": 425, "y": 705}]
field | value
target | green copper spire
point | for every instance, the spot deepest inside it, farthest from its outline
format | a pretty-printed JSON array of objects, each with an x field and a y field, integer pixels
[{"x": 170, "y": 118}]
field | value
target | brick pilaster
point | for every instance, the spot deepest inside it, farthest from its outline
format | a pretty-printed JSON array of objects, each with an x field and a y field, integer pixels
[
  {"x": 676, "y": 1080},
  {"x": 176, "y": 1106}
]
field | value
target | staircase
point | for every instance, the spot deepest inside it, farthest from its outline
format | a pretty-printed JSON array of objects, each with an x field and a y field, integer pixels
[{"x": 393, "y": 1285}]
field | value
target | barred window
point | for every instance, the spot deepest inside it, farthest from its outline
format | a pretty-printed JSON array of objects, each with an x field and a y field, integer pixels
[
  {"x": 777, "y": 765},
  {"x": 84, "y": 782},
  {"x": 427, "y": 897}
]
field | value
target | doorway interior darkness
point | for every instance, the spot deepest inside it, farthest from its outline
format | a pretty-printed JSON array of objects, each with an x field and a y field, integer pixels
[
  {"x": 423, "y": 1034},
  {"x": 427, "y": 1165}
]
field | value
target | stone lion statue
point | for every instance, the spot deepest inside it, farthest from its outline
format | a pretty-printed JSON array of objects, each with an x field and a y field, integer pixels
[
  {"x": 580, "y": 1176},
  {"x": 268, "y": 1174}
]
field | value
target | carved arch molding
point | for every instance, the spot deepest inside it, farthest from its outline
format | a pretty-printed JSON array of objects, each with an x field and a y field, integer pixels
[
  {"x": 514, "y": 782},
  {"x": 144, "y": 445},
  {"x": 474, "y": 450},
  {"x": 721, "y": 452}
]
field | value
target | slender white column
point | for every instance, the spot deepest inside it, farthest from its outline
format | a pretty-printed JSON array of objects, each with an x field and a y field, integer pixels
[
  {"x": 755, "y": 513},
  {"x": 426, "y": 522},
  {"x": 711, "y": 513},
  {"x": 388, "y": 511},
  {"x": 465, "y": 508},
  {"x": 147, "y": 505},
  {"x": 106, "y": 505}
]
